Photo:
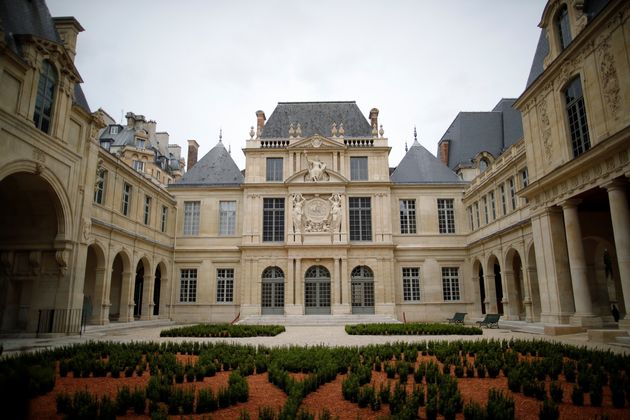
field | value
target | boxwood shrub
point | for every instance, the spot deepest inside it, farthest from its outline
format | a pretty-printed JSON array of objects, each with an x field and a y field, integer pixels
[
  {"x": 223, "y": 330},
  {"x": 415, "y": 328}
]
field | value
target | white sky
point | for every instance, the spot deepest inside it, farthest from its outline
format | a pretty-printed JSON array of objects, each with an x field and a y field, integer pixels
[{"x": 198, "y": 66}]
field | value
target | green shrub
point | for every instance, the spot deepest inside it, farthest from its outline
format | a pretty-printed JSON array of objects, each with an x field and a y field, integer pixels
[
  {"x": 596, "y": 396},
  {"x": 224, "y": 330},
  {"x": 413, "y": 328},
  {"x": 138, "y": 400},
  {"x": 123, "y": 400},
  {"x": 555, "y": 390},
  {"x": 63, "y": 402},
  {"x": 577, "y": 396},
  {"x": 475, "y": 411},
  {"x": 549, "y": 410},
  {"x": 266, "y": 413},
  {"x": 500, "y": 405}
]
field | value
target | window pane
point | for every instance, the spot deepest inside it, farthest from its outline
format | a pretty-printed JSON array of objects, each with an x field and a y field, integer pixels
[
  {"x": 227, "y": 217},
  {"x": 188, "y": 285},
  {"x": 274, "y": 169},
  {"x": 407, "y": 216},
  {"x": 225, "y": 285},
  {"x": 576, "y": 112},
  {"x": 446, "y": 216},
  {"x": 360, "y": 218},
  {"x": 450, "y": 283},
  {"x": 273, "y": 219},
  {"x": 411, "y": 284},
  {"x": 191, "y": 217},
  {"x": 359, "y": 168}
]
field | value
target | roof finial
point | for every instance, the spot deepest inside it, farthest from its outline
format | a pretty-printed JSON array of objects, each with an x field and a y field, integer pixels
[
  {"x": 415, "y": 134},
  {"x": 229, "y": 148},
  {"x": 406, "y": 149},
  {"x": 220, "y": 135}
]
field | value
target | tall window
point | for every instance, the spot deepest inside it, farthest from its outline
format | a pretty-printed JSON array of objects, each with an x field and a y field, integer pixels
[
  {"x": 576, "y": 112},
  {"x": 411, "y": 284},
  {"x": 485, "y": 209},
  {"x": 360, "y": 218},
  {"x": 493, "y": 206},
  {"x": 99, "y": 188},
  {"x": 164, "y": 219},
  {"x": 227, "y": 217},
  {"x": 470, "y": 218},
  {"x": 113, "y": 129},
  {"x": 188, "y": 285},
  {"x": 274, "y": 169},
  {"x": 477, "y": 214},
  {"x": 273, "y": 219},
  {"x": 140, "y": 143},
  {"x": 359, "y": 168},
  {"x": 450, "y": 283},
  {"x": 138, "y": 165},
  {"x": 503, "y": 202},
  {"x": 45, "y": 96},
  {"x": 562, "y": 24},
  {"x": 407, "y": 216},
  {"x": 525, "y": 178},
  {"x": 446, "y": 215},
  {"x": 512, "y": 193},
  {"x": 126, "y": 199},
  {"x": 147, "y": 209},
  {"x": 225, "y": 285},
  {"x": 191, "y": 217}
]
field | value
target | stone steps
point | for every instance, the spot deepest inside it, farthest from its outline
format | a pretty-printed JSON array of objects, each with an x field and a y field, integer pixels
[
  {"x": 317, "y": 320},
  {"x": 522, "y": 326}
]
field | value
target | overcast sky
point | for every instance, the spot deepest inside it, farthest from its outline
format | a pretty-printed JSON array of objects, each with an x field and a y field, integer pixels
[{"x": 198, "y": 66}]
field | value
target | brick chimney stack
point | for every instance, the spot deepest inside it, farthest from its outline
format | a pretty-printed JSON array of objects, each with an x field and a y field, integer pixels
[
  {"x": 260, "y": 122},
  {"x": 193, "y": 150},
  {"x": 443, "y": 147},
  {"x": 374, "y": 118}
]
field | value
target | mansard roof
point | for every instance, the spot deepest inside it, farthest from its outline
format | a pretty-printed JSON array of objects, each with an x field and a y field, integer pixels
[
  {"x": 317, "y": 118},
  {"x": 473, "y": 132},
  {"x": 216, "y": 168},
  {"x": 32, "y": 18},
  {"x": 419, "y": 166}
]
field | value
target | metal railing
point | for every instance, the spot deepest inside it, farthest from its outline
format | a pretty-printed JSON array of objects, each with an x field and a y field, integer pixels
[{"x": 61, "y": 321}]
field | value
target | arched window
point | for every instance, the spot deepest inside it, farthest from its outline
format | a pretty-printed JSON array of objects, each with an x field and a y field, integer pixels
[
  {"x": 576, "y": 114},
  {"x": 45, "y": 95},
  {"x": 562, "y": 24},
  {"x": 483, "y": 165}
]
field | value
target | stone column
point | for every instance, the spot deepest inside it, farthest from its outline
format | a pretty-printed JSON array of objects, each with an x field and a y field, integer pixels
[
  {"x": 491, "y": 294},
  {"x": 299, "y": 287},
  {"x": 126, "y": 296},
  {"x": 101, "y": 298},
  {"x": 336, "y": 282},
  {"x": 577, "y": 264},
  {"x": 147, "y": 297},
  {"x": 527, "y": 295},
  {"x": 620, "y": 216},
  {"x": 510, "y": 297},
  {"x": 345, "y": 287}
]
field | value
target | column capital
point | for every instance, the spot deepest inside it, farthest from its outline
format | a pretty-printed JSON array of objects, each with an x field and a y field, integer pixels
[
  {"x": 570, "y": 203},
  {"x": 615, "y": 184}
]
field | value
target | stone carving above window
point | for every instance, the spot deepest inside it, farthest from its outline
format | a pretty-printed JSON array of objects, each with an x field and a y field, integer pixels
[
  {"x": 316, "y": 214},
  {"x": 609, "y": 79}
]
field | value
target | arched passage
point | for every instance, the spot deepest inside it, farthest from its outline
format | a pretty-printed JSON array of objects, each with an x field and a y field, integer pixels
[
  {"x": 533, "y": 306},
  {"x": 272, "y": 299},
  {"x": 494, "y": 286},
  {"x": 143, "y": 290},
  {"x": 480, "y": 284},
  {"x": 31, "y": 223},
  {"x": 362, "y": 290},
  {"x": 514, "y": 283},
  {"x": 317, "y": 290},
  {"x": 159, "y": 283},
  {"x": 118, "y": 289},
  {"x": 93, "y": 285}
]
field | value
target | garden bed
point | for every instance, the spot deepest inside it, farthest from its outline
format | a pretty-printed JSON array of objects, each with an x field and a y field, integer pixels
[
  {"x": 227, "y": 381},
  {"x": 412, "y": 328},
  {"x": 223, "y": 330}
]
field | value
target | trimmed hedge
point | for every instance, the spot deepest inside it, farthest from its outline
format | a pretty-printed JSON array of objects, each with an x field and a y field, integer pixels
[
  {"x": 415, "y": 328},
  {"x": 224, "y": 330}
]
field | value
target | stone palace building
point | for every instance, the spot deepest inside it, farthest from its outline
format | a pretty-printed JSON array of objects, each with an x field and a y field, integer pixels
[{"x": 525, "y": 212}]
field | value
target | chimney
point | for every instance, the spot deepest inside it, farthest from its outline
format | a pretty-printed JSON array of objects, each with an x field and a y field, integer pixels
[
  {"x": 260, "y": 122},
  {"x": 193, "y": 149},
  {"x": 374, "y": 117},
  {"x": 68, "y": 28},
  {"x": 443, "y": 146}
]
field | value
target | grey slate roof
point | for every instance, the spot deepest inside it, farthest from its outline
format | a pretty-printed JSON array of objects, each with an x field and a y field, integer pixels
[
  {"x": 21, "y": 17},
  {"x": 317, "y": 118},
  {"x": 419, "y": 166},
  {"x": 216, "y": 168},
  {"x": 473, "y": 132},
  {"x": 591, "y": 9}
]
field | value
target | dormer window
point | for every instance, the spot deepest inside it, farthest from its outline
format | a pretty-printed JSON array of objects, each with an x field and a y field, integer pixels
[
  {"x": 140, "y": 143},
  {"x": 562, "y": 24},
  {"x": 113, "y": 129},
  {"x": 138, "y": 165},
  {"x": 483, "y": 165},
  {"x": 45, "y": 96},
  {"x": 105, "y": 145}
]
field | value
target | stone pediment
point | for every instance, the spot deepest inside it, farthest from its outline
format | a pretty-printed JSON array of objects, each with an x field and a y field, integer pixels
[
  {"x": 318, "y": 142},
  {"x": 302, "y": 177}
]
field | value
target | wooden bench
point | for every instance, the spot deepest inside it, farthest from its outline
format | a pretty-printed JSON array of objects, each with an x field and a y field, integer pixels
[
  {"x": 458, "y": 318},
  {"x": 490, "y": 321}
]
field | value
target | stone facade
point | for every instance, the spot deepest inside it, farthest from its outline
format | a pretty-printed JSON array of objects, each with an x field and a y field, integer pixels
[{"x": 537, "y": 229}]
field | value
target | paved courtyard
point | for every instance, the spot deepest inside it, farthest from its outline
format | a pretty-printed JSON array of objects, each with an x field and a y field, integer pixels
[{"x": 329, "y": 335}]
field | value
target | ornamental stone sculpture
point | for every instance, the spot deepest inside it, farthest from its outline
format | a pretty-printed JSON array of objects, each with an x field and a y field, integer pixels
[
  {"x": 335, "y": 212},
  {"x": 316, "y": 169},
  {"x": 298, "y": 212}
]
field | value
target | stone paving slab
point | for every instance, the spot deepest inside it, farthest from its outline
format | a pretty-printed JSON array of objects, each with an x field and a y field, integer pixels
[{"x": 294, "y": 335}]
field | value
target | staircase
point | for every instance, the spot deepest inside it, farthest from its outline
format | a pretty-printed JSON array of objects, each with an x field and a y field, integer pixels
[{"x": 318, "y": 320}]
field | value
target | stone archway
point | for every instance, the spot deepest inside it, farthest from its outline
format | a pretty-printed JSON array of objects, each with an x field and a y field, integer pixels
[
  {"x": 479, "y": 280},
  {"x": 515, "y": 308},
  {"x": 533, "y": 304},
  {"x": 118, "y": 288},
  {"x": 494, "y": 285},
  {"x": 93, "y": 285},
  {"x": 317, "y": 291},
  {"x": 362, "y": 290},
  {"x": 34, "y": 256},
  {"x": 272, "y": 298}
]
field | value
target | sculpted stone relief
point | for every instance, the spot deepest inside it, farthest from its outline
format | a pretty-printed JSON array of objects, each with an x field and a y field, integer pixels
[
  {"x": 316, "y": 214},
  {"x": 316, "y": 169},
  {"x": 609, "y": 79}
]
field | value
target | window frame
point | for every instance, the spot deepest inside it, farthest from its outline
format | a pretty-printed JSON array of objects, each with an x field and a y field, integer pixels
[
  {"x": 360, "y": 218},
  {"x": 164, "y": 219},
  {"x": 147, "y": 209},
  {"x": 227, "y": 219},
  {"x": 359, "y": 171},
  {"x": 576, "y": 117},
  {"x": 471, "y": 221},
  {"x": 411, "y": 284},
  {"x": 225, "y": 285},
  {"x": 485, "y": 209},
  {"x": 99, "y": 187},
  {"x": 188, "y": 285},
  {"x": 512, "y": 187},
  {"x": 408, "y": 223},
  {"x": 503, "y": 199},
  {"x": 45, "y": 97},
  {"x": 451, "y": 287},
  {"x": 273, "y": 173},
  {"x": 446, "y": 216},
  {"x": 192, "y": 216},
  {"x": 138, "y": 165},
  {"x": 493, "y": 205},
  {"x": 126, "y": 197},
  {"x": 273, "y": 219},
  {"x": 563, "y": 27}
]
